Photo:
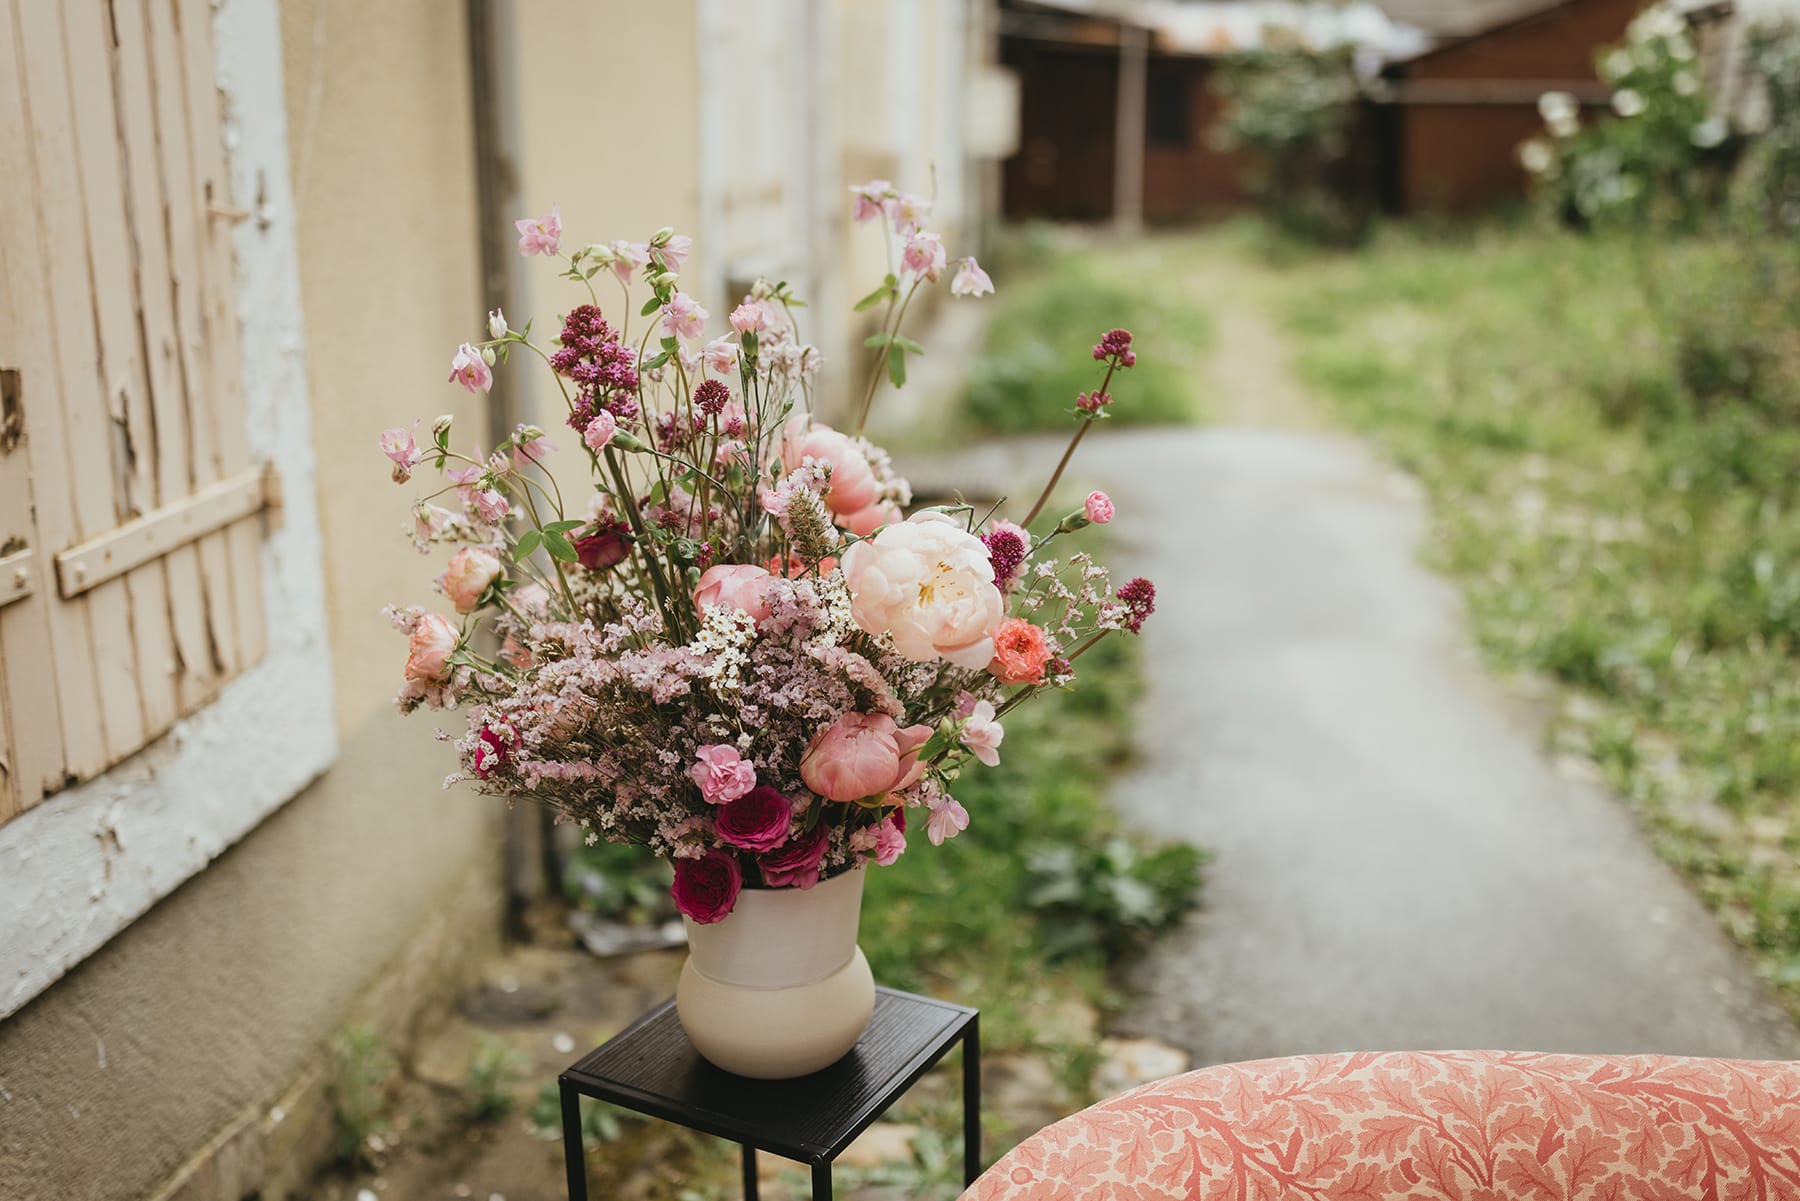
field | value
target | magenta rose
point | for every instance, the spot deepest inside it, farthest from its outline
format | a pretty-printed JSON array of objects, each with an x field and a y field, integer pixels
[
  {"x": 706, "y": 888},
  {"x": 756, "y": 821},
  {"x": 796, "y": 865}
]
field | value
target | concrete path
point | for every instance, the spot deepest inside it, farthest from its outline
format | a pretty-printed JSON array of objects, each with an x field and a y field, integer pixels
[{"x": 1397, "y": 865}]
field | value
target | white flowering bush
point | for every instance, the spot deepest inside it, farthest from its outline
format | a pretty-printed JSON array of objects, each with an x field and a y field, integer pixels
[{"x": 1654, "y": 155}]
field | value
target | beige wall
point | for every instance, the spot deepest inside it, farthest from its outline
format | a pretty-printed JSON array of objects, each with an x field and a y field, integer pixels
[{"x": 211, "y": 1004}]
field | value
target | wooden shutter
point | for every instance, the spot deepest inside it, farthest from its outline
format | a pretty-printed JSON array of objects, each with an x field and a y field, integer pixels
[{"x": 130, "y": 565}]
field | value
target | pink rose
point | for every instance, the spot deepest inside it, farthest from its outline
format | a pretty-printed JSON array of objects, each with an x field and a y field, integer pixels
[
  {"x": 429, "y": 648},
  {"x": 706, "y": 889},
  {"x": 470, "y": 370},
  {"x": 863, "y": 755},
  {"x": 1020, "y": 652},
  {"x": 796, "y": 865},
  {"x": 470, "y": 572},
  {"x": 735, "y": 586},
  {"x": 853, "y": 484},
  {"x": 540, "y": 235},
  {"x": 1099, "y": 508},
  {"x": 722, "y": 774},
  {"x": 756, "y": 821}
]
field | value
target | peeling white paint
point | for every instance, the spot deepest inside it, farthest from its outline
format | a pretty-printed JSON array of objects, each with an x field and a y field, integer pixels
[{"x": 80, "y": 867}]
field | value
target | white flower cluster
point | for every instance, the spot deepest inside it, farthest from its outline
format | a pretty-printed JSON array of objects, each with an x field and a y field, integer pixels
[{"x": 724, "y": 639}]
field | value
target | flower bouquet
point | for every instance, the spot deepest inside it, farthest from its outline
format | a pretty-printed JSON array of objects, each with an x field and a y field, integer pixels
[{"x": 736, "y": 647}]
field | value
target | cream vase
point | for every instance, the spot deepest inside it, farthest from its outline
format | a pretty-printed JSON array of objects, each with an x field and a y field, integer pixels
[{"x": 779, "y": 988}]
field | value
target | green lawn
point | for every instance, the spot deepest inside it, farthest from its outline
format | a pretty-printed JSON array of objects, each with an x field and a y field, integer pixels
[{"x": 1610, "y": 432}]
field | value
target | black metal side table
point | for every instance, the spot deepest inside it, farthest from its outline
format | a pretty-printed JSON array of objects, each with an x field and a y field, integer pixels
[{"x": 651, "y": 1067}]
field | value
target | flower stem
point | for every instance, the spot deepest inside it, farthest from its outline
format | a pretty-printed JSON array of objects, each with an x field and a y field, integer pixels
[{"x": 1056, "y": 476}]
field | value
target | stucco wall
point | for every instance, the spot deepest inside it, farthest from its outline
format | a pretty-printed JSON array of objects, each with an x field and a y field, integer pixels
[{"x": 215, "y": 1000}]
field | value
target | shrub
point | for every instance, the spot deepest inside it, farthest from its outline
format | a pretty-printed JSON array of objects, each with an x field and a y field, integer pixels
[
  {"x": 1767, "y": 188},
  {"x": 358, "y": 1091}
]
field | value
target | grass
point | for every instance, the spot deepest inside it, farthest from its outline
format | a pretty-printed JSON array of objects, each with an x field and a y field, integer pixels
[
  {"x": 1610, "y": 431},
  {"x": 1056, "y": 296}
]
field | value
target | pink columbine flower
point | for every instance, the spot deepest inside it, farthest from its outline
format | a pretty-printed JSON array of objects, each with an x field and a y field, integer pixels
[
  {"x": 468, "y": 575},
  {"x": 683, "y": 317},
  {"x": 496, "y": 324},
  {"x": 428, "y": 522},
  {"x": 600, "y": 430},
  {"x": 982, "y": 734},
  {"x": 971, "y": 280},
  {"x": 628, "y": 257},
  {"x": 673, "y": 253},
  {"x": 749, "y": 317},
  {"x": 540, "y": 235},
  {"x": 720, "y": 355},
  {"x": 909, "y": 213},
  {"x": 470, "y": 370},
  {"x": 1020, "y": 652},
  {"x": 490, "y": 506},
  {"x": 924, "y": 254},
  {"x": 871, "y": 199},
  {"x": 706, "y": 889},
  {"x": 948, "y": 818},
  {"x": 722, "y": 774},
  {"x": 531, "y": 450},
  {"x": 400, "y": 446},
  {"x": 1099, "y": 508}
]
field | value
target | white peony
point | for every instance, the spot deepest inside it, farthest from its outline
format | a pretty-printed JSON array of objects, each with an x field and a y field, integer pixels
[{"x": 929, "y": 583}]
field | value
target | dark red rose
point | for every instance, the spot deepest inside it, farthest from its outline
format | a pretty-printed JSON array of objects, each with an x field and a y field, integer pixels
[
  {"x": 603, "y": 544},
  {"x": 706, "y": 889},
  {"x": 796, "y": 865},
  {"x": 756, "y": 821}
]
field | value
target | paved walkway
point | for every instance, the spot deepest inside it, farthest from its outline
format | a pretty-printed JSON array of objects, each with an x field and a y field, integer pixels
[{"x": 1398, "y": 865}]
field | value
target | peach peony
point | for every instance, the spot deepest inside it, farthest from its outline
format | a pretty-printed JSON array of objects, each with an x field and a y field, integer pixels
[
  {"x": 862, "y": 756},
  {"x": 930, "y": 584},
  {"x": 853, "y": 483},
  {"x": 735, "y": 586},
  {"x": 1019, "y": 652},
  {"x": 470, "y": 572}
]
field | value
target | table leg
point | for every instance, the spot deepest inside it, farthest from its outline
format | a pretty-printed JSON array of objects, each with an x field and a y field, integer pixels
[
  {"x": 749, "y": 1172},
  {"x": 822, "y": 1182},
  {"x": 574, "y": 1156},
  {"x": 971, "y": 1053}
]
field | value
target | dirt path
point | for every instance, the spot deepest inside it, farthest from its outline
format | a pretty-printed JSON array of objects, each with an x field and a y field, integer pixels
[{"x": 1398, "y": 863}]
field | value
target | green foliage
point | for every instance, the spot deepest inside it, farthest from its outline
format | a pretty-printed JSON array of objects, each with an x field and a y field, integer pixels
[
  {"x": 1767, "y": 188},
  {"x": 1611, "y": 441},
  {"x": 493, "y": 1071},
  {"x": 1657, "y": 158},
  {"x": 601, "y": 1121},
  {"x": 1289, "y": 109},
  {"x": 614, "y": 880},
  {"x": 1114, "y": 895},
  {"x": 362, "y": 1073},
  {"x": 1051, "y": 307}
]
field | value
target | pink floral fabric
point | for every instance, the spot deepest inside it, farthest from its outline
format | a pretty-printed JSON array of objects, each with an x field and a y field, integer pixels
[{"x": 1461, "y": 1125}]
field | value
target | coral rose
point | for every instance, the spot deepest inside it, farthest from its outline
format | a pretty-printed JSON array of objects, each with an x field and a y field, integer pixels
[
  {"x": 930, "y": 584},
  {"x": 796, "y": 865},
  {"x": 1019, "y": 652},
  {"x": 863, "y": 755},
  {"x": 470, "y": 572},
  {"x": 756, "y": 821},
  {"x": 735, "y": 586},
  {"x": 706, "y": 889},
  {"x": 429, "y": 647}
]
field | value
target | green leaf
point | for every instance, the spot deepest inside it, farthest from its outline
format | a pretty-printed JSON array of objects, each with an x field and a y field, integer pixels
[
  {"x": 563, "y": 527},
  {"x": 668, "y": 344},
  {"x": 528, "y": 542},
  {"x": 559, "y": 548},
  {"x": 897, "y": 367},
  {"x": 908, "y": 345},
  {"x": 874, "y": 298},
  {"x": 877, "y": 340},
  {"x": 650, "y": 306},
  {"x": 653, "y": 364}
]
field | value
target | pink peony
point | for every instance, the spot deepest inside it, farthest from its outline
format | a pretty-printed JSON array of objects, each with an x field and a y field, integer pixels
[
  {"x": 864, "y": 522},
  {"x": 683, "y": 317},
  {"x": 757, "y": 821},
  {"x": 540, "y": 235},
  {"x": 863, "y": 756},
  {"x": 470, "y": 572},
  {"x": 470, "y": 370},
  {"x": 796, "y": 865},
  {"x": 600, "y": 430},
  {"x": 948, "y": 818},
  {"x": 735, "y": 586},
  {"x": 982, "y": 734},
  {"x": 429, "y": 647},
  {"x": 924, "y": 254},
  {"x": 853, "y": 483},
  {"x": 1099, "y": 508},
  {"x": 971, "y": 280},
  {"x": 722, "y": 774},
  {"x": 706, "y": 889},
  {"x": 930, "y": 584},
  {"x": 1020, "y": 652}
]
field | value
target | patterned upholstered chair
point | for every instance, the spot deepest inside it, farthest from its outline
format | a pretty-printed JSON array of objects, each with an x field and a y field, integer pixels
[{"x": 1462, "y": 1125}]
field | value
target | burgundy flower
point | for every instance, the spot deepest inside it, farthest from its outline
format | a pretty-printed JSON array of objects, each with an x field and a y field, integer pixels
[
  {"x": 756, "y": 821},
  {"x": 603, "y": 544},
  {"x": 796, "y": 865},
  {"x": 706, "y": 889},
  {"x": 712, "y": 396},
  {"x": 1006, "y": 550},
  {"x": 1115, "y": 344},
  {"x": 1139, "y": 596}
]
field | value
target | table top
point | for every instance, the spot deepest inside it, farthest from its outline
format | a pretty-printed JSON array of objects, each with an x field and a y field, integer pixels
[{"x": 651, "y": 1067}]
